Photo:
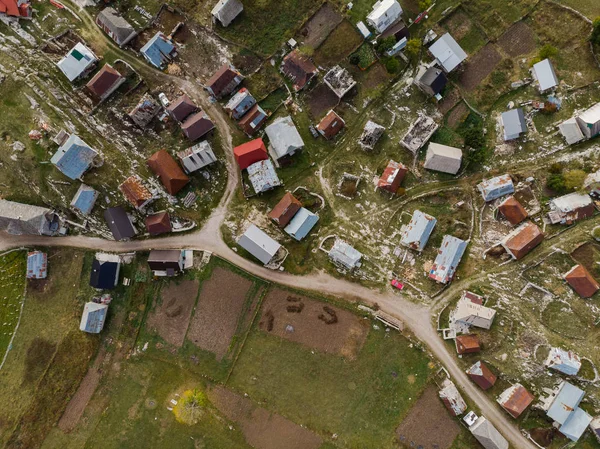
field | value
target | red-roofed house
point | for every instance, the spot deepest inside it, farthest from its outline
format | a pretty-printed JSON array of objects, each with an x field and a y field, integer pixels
[
  {"x": 515, "y": 400},
  {"x": 250, "y": 153},
  {"x": 582, "y": 281},
  {"x": 159, "y": 223},
  {"x": 392, "y": 177},
  {"x": 467, "y": 344},
  {"x": 169, "y": 171},
  {"x": 482, "y": 376},
  {"x": 105, "y": 82},
  {"x": 16, "y": 8}
]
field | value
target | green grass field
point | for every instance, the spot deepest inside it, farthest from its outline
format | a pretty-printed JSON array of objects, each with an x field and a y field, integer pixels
[{"x": 12, "y": 279}]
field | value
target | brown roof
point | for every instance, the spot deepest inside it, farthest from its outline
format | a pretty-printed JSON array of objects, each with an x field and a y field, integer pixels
[
  {"x": 467, "y": 344},
  {"x": 482, "y": 376},
  {"x": 392, "y": 177},
  {"x": 171, "y": 175},
  {"x": 254, "y": 113},
  {"x": 515, "y": 400},
  {"x": 582, "y": 281},
  {"x": 101, "y": 84},
  {"x": 159, "y": 223},
  {"x": 527, "y": 237},
  {"x": 331, "y": 125},
  {"x": 512, "y": 210},
  {"x": 197, "y": 125},
  {"x": 285, "y": 210},
  {"x": 181, "y": 108},
  {"x": 298, "y": 68},
  {"x": 222, "y": 82},
  {"x": 135, "y": 192},
  {"x": 474, "y": 298}
]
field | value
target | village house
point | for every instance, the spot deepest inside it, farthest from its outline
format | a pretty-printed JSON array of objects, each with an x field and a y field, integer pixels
[
  {"x": 37, "y": 265},
  {"x": 284, "y": 139},
  {"x": 136, "y": 192},
  {"x": 330, "y": 125},
  {"x": 159, "y": 50},
  {"x": 259, "y": 244},
  {"x": 339, "y": 81},
  {"x": 562, "y": 406},
  {"x": 225, "y": 11},
  {"x": 197, "y": 125},
  {"x": 170, "y": 174},
  {"x": 443, "y": 158},
  {"x": 481, "y": 375},
  {"x": 589, "y": 121},
  {"x": 301, "y": 224},
  {"x": 143, "y": 113},
  {"x": 79, "y": 62},
  {"x": 239, "y": 104},
  {"x": 16, "y": 9},
  {"x": 84, "y": 200},
  {"x": 370, "y": 135},
  {"x": 384, "y": 14},
  {"x": 416, "y": 233},
  {"x": 419, "y": 133},
  {"x": 515, "y": 400},
  {"x": 170, "y": 262},
  {"x": 467, "y": 344},
  {"x": 253, "y": 120},
  {"x": 298, "y": 68},
  {"x": 117, "y": 28},
  {"x": 570, "y": 208},
  {"x": 452, "y": 399},
  {"x": 263, "y": 176},
  {"x": 25, "y": 219},
  {"x": 470, "y": 311},
  {"x": 181, "y": 108},
  {"x": 566, "y": 362},
  {"x": 285, "y": 209},
  {"x": 366, "y": 33},
  {"x": 431, "y": 80},
  {"x": 119, "y": 223},
  {"x": 449, "y": 256},
  {"x": 224, "y": 81},
  {"x": 496, "y": 187},
  {"x": 522, "y": 240},
  {"x": 512, "y": 210},
  {"x": 105, "y": 83},
  {"x": 544, "y": 75},
  {"x": 487, "y": 435},
  {"x": 392, "y": 177},
  {"x": 74, "y": 157},
  {"x": 196, "y": 157},
  {"x": 571, "y": 131},
  {"x": 105, "y": 271},
  {"x": 345, "y": 256},
  {"x": 582, "y": 281},
  {"x": 159, "y": 223},
  {"x": 447, "y": 53},
  {"x": 93, "y": 317},
  {"x": 513, "y": 124},
  {"x": 250, "y": 153},
  {"x": 595, "y": 427}
]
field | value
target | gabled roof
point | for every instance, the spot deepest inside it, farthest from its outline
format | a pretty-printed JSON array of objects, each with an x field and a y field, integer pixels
[
  {"x": 170, "y": 173},
  {"x": 284, "y": 138},
  {"x": 105, "y": 273},
  {"x": 416, "y": 233},
  {"x": 77, "y": 62},
  {"x": 197, "y": 125},
  {"x": 144, "y": 111},
  {"x": 37, "y": 265},
  {"x": 240, "y": 103},
  {"x": 158, "y": 51},
  {"x": 74, "y": 157},
  {"x": 15, "y": 8},
  {"x": 181, "y": 108},
  {"x": 545, "y": 75},
  {"x": 474, "y": 314},
  {"x": 301, "y": 224},
  {"x": 571, "y": 202},
  {"x": 115, "y": 25},
  {"x": 19, "y": 219},
  {"x": 522, "y": 240},
  {"x": 566, "y": 401},
  {"x": 250, "y": 153},
  {"x": 330, "y": 125},
  {"x": 467, "y": 344},
  {"x": 197, "y": 157},
  {"x": 298, "y": 68},
  {"x": 496, "y": 187},
  {"x": 514, "y": 123},
  {"x": 434, "y": 78},
  {"x": 224, "y": 81},
  {"x": 119, "y": 223},
  {"x": 105, "y": 82},
  {"x": 481, "y": 375},
  {"x": 443, "y": 158},
  {"x": 259, "y": 244},
  {"x": 449, "y": 256},
  {"x": 566, "y": 362},
  {"x": 571, "y": 131},
  {"x": 576, "y": 424},
  {"x": 512, "y": 210},
  {"x": 263, "y": 176},
  {"x": 343, "y": 254},
  {"x": 135, "y": 192},
  {"x": 225, "y": 11},
  {"x": 159, "y": 223},
  {"x": 487, "y": 435},
  {"x": 447, "y": 51},
  {"x": 582, "y": 281},
  {"x": 285, "y": 210},
  {"x": 94, "y": 315},
  {"x": 253, "y": 120},
  {"x": 452, "y": 399},
  {"x": 590, "y": 116},
  {"x": 384, "y": 13},
  {"x": 392, "y": 176},
  {"x": 84, "y": 199},
  {"x": 515, "y": 399}
]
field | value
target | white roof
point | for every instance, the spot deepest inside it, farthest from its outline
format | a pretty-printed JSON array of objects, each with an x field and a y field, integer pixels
[
  {"x": 570, "y": 202},
  {"x": 345, "y": 254},
  {"x": 447, "y": 51},
  {"x": 571, "y": 131},
  {"x": 197, "y": 156},
  {"x": 77, "y": 61},
  {"x": 384, "y": 13},
  {"x": 443, "y": 158},
  {"x": 284, "y": 137},
  {"x": 259, "y": 244},
  {"x": 544, "y": 73},
  {"x": 487, "y": 435},
  {"x": 592, "y": 115},
  {"x": 363, "y": 29},
  {"x": 566, "y": 362},
  {"x": 475, "y": 314}
]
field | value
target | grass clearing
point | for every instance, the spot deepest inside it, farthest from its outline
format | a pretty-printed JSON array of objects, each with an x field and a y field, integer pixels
[
  {"x": 12, "y": 279},
  {"x": 344, "y": 40}
]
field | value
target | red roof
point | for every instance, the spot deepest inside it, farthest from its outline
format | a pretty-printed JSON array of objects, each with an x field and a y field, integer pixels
[
  {"x": 467, "y": 344},
  {"x": 482, "y": 376},
  {"x": 170, "y": 173},
  {"x": 11, "y": 8},
  {"x": 250, "y": 152},
  {"x": 331, "y": 125},
  {"x": 158, "y": 223},
  {"x": 515, "y": 400},
  {"x": 298, "y": 68},
  {"x": 285, "y": 210},
  {"x": 512, "y": 210},
  {"x": 523, "y": 240},
  {"x": 392, "y": 177},
  {"x": 105, "y": 80},
  {"x": 135, "y": 192},
  {"x": 582, "y": 281}
]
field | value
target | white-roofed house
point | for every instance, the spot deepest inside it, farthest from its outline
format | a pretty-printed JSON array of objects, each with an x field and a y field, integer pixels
[
  {"x": 571, "y": 131},
  {"x": 301, "y": 224},
  {"x": 284, "y": 138},
  {"x": 78, "y": 62},
  {"x": 566, "y": 362},
  {"x": 447, "y": 53},
  {"x": 416, "y": 233},
  {"x": 443, "y": 158},
  {"x": 259, "y": 244},
  {"x": 225, "y": 11},
  {"x": 344, "y": 255},
  {"x": 544, "y": 74},
  {"x": 196, "y": 157},
  {"x": 487, "y": 435},
  {"x": 570, "y": 208},
  {"x": 471, "y": 313},
  {"x": 384, "y": 14},
  {"x": 589, "y": 121}
]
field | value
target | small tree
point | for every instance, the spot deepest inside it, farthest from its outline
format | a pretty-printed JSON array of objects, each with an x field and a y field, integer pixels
[
  {"x": 385, "y": 44},
  {"x": 392, "y": 65},
  {"x": 574, "y": 179},
  {"x": 413, "y": 47},
  {"x": 355, "y": 59},
  {"x": 424, "y": 4},
  {"x": 556, "y": 182},
  {"x": 190, "y": 407},
  {"x": 595, "y": 37},
  {"x": 306, "y": 50}
]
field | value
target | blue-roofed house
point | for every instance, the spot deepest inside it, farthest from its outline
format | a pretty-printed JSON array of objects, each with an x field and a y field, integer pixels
[
  {"x": 301, "y": 224},
  {"x": 94, "y": 315},
  {"x": 74, "y": 157},
  {"x": 239, "y": 104},
  {"x": 449, "y": 256},
  {"x": 563, "y": 407},
  {"x": 159, "y": 50},
  {"x": 84, "y": 199},
  {"x": 496, "y": 187},
  {"x": 416, "y": 233},
  {"x": 37, "y": 265}
]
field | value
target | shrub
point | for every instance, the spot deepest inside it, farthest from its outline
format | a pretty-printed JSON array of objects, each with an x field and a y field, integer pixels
[
  {"x": 556, "y": 182},
  {"x": 574, "y": 179},
  {"x": 385, "y": 44},
  {"x": 595, "y": 37},
  {"x": 355, "y": 59},
  {"x": 547, "y": 51},
  {"x": 413, "y": 47},
  {"x": 424, "y": 4},
  {"x": 392, "y": 65},
  {"x": 190, "y": 407}
]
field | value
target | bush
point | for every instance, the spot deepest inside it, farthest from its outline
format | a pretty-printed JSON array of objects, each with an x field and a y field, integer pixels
[
  {"x": 392, "y": 65},
  {"x": 556, "y": 168},
  {"x": 190, "y": 407},
  {"x": 385, "y": 44},
  {"x": 413, "y": 47},
  {"x": 574, "y": 179},
  {"x": 547, "y": 51},
  {"x": 355, "y": 59},
  {"x": 424, "y": 4},
  {"x": 595, "y": 37},
  {"x": 556, "y": 182}
]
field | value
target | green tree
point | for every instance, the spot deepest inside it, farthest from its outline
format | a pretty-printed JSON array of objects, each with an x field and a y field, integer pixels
[
  {"x": 190, "y": 407},
  {"x": 595, "y": 37},
  {"x": 392, "y": 65},
  {"x": 413, "y": 47},
  {"x": 355, "y": 59},
  {"x": 556, "y": 182},
  {"x": 424, "y": 4},
  {"x": 385, "y": 44},
  {"x": 574, "y": 179}
]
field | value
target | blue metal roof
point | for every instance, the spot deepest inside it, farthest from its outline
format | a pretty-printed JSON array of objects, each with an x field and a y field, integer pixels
[
  {"x": 93, "y": 317},
  {"x": 448, "y": 258},
  {"x": 301, "y": 224},
  {"x": 84, "y": 199},
  {"x": 576, "y": 424},
  {"x": 565, "y": 402},
  {"x": 158, "y": 50},
  {"x": 259, "y": 118},
  {"x": 74, "y": 157},
  {"x": 240, "y": 103},
  {"x": 417, "y": 232},
  {"x": 496, "y": 187},
  {"x": 37, "y": 265}
]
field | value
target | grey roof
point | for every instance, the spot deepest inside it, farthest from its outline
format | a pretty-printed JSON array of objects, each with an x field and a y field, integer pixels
[
  {"x": 263, "y": 176},
  {"x": 571, "y": 131},
  {"x": 225, "y": 11},
  {"x": 77, "y": 62},
  {"x": 18, "y": 219},
  {"x": 449, "y": 256},
  {"x": 94, "y": 315},
  {"x": 115, "y": 25},
  {"x": 544, "y": 73},
  {"x": 570, "y": 202},
  {"x": 164, "y": 255},
  {"x": 197, "y": 157},
  {"x": 514, "y": 124},
  {"x": 448, "y": 53},
  {"x": 416, "y": 234},
  {"x": 259, "y": 244},
  {"x": 119, "y": 223},
  {"x": 576, "y": 424},
  {"x": 284, "y": 137},
  {"x": 565, "y": 402},
  {"x": 443, "y": 158},
  {"x": 566, "y": 362},
  {"x": 496, "y": 187},
  {"x": 301, "y": 224},
  {"x": 487, "y": 435},
  {"x": 343, "y": 254},
  {"x": 434, "y": 78}
]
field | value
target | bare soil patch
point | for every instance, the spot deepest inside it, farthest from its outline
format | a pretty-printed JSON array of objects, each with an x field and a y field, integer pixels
[
  {"x": 171, "y": 317},
  {"x": 218, "y": 311},
  {"x": 587, "y": 255},
  {"x": 376, "y": 75},
  {"x": 457, "y": 115},
  {"x": 340, "y": 44},
  {"x": 320, "y": 100},
  {"x": 458, "y": 24},
  {"x": 480, "y": 66},
  {"x": 428, "y": 424},
  {"x": 320, "y": 25},
  {"x": 451, "y": 99},
  {"x": 261, "y": 428},
  {"x": 518, "y": 40},
  {"x": 312, "y": 323}
]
